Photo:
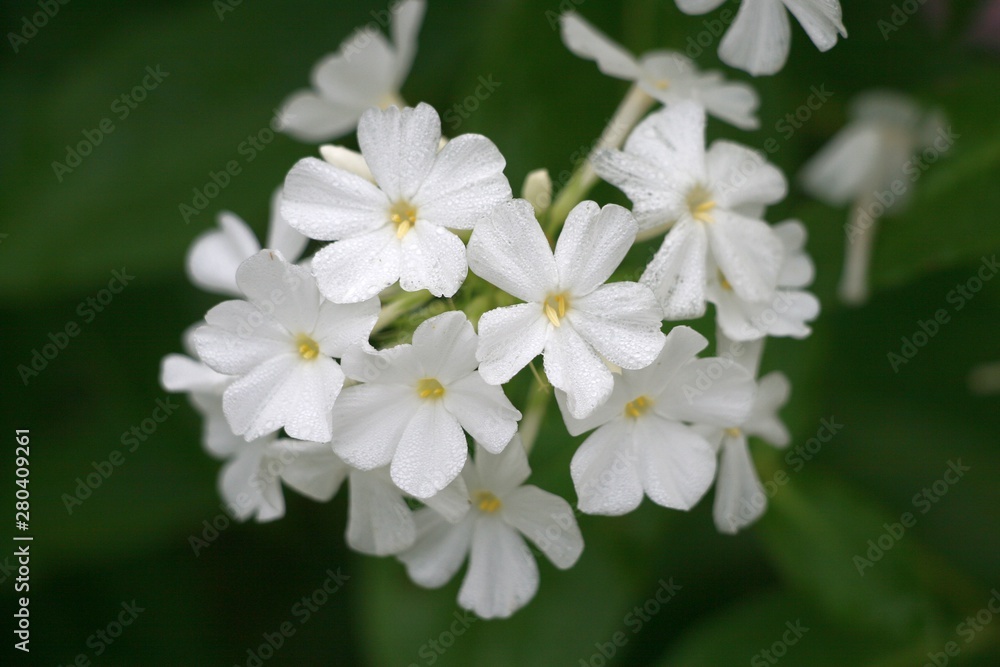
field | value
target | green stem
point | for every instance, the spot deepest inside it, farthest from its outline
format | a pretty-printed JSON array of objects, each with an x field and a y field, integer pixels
[{"x": 535, "y": 408}]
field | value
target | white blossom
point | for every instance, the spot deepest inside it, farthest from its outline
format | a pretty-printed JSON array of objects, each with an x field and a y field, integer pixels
[
  {"x": 367, "y": 71},
  {"x": 570, "y": 316},
  {"x": 397, "y": 227},
  {"x": 643, "y": 442},
  {"x": 666, "y": 76},
  {"x": 711, "y": 202},
  {"x": 280, "y": 345},
  {"x": 413, "y": 404},
  {"x": 502, "y": 576},
  {"x": 760, "y": 36}
]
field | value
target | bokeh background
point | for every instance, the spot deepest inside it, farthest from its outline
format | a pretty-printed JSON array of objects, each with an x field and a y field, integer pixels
[{"x": 60, "y": 240}]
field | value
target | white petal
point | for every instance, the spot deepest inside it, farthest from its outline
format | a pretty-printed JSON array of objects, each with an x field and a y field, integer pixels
[
  {"x": 214, "y": 256},
  {"x": 286, "y": 292},
  {"x": 379, "y": 521},
  {"x": 602, "y": 414},
  {"x": 280, "y": 235},
  {"x": 758, "y": 40},
  {"x": 698, "y": 6},
  {"x": 181, "y": 373},
  {"x": 821, "y": 19},
  {"x": 452, "y": 502},
  {"x": 439, "y": 549},
  {"x": 406, "y": 20},
  {"x": 798, "y": 269},
  {"x": 508, "y": 249},
  {"x": 309, "y": 117},
  {"x": 483, "y": 410},
  {"x": 573, "y": 366},
  {"x": 216, "y": 436},
  {"x": 592, "y": 244},
  {"x": 714, "y": 391},
  {"x": 502, "y": 575},
  {"x": 731, "y": 101},
  {"x": 773, "y": 391},
  {"x": 329, "y": 203},
  {"x": 739, "y": 495},
  {"x": 360, "y": 74},
  {"x": 502, "y": 471},
  {"x": 676, "y": 464},
  {"x": 399, "y": 147},
  {"x": 588, "y": 42},
  {"x": 845, "y": 167},
  {"x": 746, "y": 354},
  {"x": 681, "y": 346},
  {"x": 605, "y": 474},
  {"x": 339, "y": 326},
  {"x": 673, "y": 139},
  {"x": 311, "y": 468},
  {"x": 348, "y": 160},
  {"x": 431, "y": 452},
  {"x": 748, "y": 253},
  {"x": 740, "y": 176},
  {"x": 230, "y": 344},
  {"x": 369, "y": 421},
  {"x": 548, "y": 521},
  {"x": 786, "y": 314},
  {"x": 248, "y": 487},
  {"x": 622, "y": 322},
  {"x": 398, "y": 365},
  {"x": 285, "y": 392},
  {"x": 509, "y": 338},
  {"x": 655, "y": 201},
  {"x": 446, "y": 346},
  {"x": 676, "y": 274},
  {"x": 432, "y": 258},
  {"x": 359, "y": 268},
  {"x": 464, "y": 184}
]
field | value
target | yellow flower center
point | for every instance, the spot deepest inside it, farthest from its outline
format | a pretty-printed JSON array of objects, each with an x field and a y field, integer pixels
[
  {"x": 308, "y": 348},
  {"x": 403, "y": 214},
  {"x": 638, "y": 407},
  {"x": 725, "y": 284},
  {"x": 734, "y": 432},
  {"x": 662, "y": 84},
  {"x": 701, "y": 204},
  {"x": 429, "y": 389},
  {"x": 487, "y": 502},
  {"x": 555, "y": 308}
]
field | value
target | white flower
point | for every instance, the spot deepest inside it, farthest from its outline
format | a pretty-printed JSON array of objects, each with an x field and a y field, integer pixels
[
  {"x": 666, "y": 76},
  {"x": 414, "y": 403},
  {"x": 214, "y": 256},
  {"x": 985, "y": 379},
  {"x": 280, "y": 344},
  {"x": 759, "y": 38},
  {"x": 570, "y": 316},
  {"x": 739, "y": 495},
  {"x": 710, "y": 200},
  {"x": 784, "y": 314},
  {"x": 502, "y": 575},
  {"x": 395, "y": 229},
  {"x": 643, "y": 443},
  {"x": 366, "y": 72}
]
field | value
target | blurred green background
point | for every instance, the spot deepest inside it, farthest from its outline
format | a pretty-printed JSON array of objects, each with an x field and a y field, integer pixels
[{"x": 61, "y": 240}]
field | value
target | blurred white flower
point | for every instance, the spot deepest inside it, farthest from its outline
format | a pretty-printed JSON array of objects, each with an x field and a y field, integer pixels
[
  {"x": 711, "y": 202},
  {"x": 279, "y": 343},
  {"x": 786, "y": 312},
  {"x": 759, "y": 38},
  {"x": 570, "y": 316},
  {"x": 739, "y": 496},
  {"x": 502, "y": 575},
  {"x": 643, "y": 443},
  {"x": 395, "y": 228},
  {"x": 366, "y": 72},
  {"x": 414, "y": 403},
  {"x": 985, "y": 379},
  {"x": 666, "y": 76},
  {"x": 215, "y": 255},
  {"x": 869, "y": 164}
]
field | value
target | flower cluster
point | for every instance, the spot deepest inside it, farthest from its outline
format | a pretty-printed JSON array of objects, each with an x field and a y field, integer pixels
[{"x": 298, "y": 388}]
